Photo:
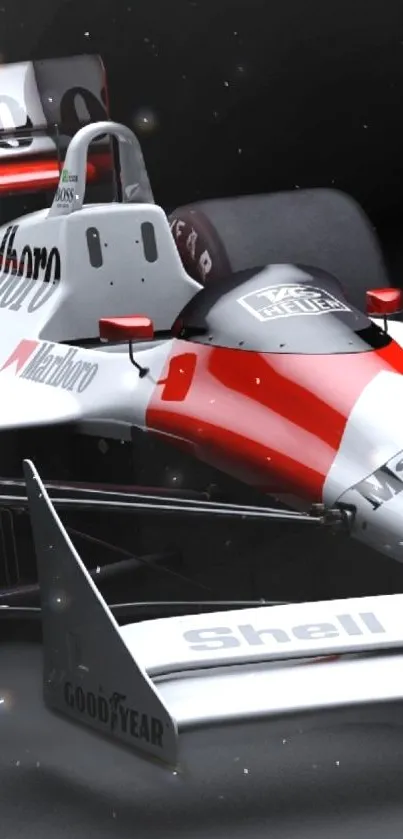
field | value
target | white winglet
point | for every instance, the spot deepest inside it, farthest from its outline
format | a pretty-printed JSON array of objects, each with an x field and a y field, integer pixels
[{"x": 90, "y": 674}]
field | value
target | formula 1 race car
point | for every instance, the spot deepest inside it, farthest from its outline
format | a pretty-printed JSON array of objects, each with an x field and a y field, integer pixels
[{"x": 117, "y": 323}]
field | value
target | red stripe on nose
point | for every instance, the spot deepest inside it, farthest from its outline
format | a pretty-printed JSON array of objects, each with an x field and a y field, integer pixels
[{"x": 275, "y": 421}]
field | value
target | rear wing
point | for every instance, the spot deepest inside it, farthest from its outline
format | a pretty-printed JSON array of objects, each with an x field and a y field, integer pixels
[
  {"x": 90, "y": 674},
  {"x": 42, "y": 106}
]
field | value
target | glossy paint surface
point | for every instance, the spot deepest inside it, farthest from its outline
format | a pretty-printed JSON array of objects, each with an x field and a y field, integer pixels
[{"x": 273, "y": 420}]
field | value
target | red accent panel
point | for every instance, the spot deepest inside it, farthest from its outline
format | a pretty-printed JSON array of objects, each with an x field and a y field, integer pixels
[
  {"x": 33, "y": 174},
  {"x": 177, "y": 384},
  {"x": 275, "y": 421},
  {"x": 126, "y": 328}
]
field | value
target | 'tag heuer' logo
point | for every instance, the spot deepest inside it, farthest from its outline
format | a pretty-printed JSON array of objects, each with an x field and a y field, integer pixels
[
  {"x": 290, "y": 300},
  {"x": 39, "y": 363}
]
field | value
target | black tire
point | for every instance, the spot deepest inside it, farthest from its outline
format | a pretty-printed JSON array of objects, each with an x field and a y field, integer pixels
[{"x": 323, "y": 228}]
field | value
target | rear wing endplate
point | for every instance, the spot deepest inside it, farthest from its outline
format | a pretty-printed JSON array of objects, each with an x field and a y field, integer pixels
[{"x": 90, "y": 674}]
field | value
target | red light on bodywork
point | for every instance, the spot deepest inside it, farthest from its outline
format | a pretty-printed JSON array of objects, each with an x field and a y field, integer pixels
[
  {"x": 33, "y": 175},
  {"x": 126, "y": 328},
  {"x": 384, "y": 301}
]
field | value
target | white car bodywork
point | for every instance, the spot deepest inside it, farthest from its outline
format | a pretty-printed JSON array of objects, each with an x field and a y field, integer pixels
[
  {"x": 51, "y": 293},
  {"x": 63, "y": 269}
]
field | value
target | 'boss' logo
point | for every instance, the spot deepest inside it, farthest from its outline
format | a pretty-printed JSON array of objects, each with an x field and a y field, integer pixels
[{"x": 65, "y": 195}]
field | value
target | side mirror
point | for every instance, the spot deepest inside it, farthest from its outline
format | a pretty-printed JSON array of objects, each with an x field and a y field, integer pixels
[
  {"x": 382, "y": 302},
  {"x": 131, "y": 328}
]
